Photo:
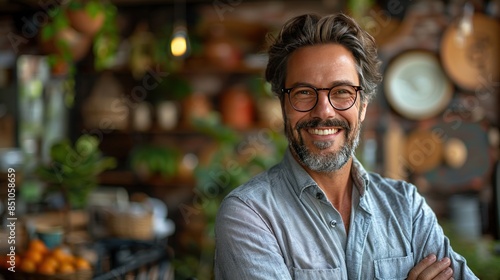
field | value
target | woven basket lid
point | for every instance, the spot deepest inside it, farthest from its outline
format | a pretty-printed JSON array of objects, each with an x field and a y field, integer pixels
[
  {"x": 424, "y": 150},
  {"x": 470, "y": 51}
]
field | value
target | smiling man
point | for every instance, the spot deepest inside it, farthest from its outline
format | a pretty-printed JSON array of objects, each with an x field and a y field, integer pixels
[{"x": 318, "y": 214}]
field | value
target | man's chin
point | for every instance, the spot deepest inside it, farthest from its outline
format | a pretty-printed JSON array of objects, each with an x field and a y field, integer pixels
[{"x": 322, "y": 146}]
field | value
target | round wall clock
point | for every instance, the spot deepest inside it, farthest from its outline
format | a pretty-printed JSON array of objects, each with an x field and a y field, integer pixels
[{"x": 416, "y": 86}]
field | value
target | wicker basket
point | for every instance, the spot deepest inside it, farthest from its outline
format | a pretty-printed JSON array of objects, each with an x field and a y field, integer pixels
[
  {"x": 131, "y": 226},
  {"x": 78, "y": 275}
]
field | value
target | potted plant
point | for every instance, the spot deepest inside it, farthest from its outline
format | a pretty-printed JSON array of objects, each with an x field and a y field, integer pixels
[
  {"x": 155, "y": 164},
  {"x": 86, "y": 17},
  {"x": 73, "y": 170},
  {"x": 167, "y": 98},
  {"x": 75, "y": 27}
]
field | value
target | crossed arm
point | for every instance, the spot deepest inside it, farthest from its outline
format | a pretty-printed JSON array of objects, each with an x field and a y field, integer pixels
[
  {"x": 432, "y": 268},
  {"x": 246, "y": 249}
]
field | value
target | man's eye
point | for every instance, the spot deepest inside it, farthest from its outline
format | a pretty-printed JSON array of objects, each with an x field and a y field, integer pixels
[
  {"x": 304, "y": 91},
  {"x": 341, "y": 92}
]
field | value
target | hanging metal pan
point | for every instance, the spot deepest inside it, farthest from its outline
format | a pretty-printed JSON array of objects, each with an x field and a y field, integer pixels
[
  {"x": 464, "y": 174},
  {"x": 424, "y": 151},
  {"x": 470, "y": 51}
]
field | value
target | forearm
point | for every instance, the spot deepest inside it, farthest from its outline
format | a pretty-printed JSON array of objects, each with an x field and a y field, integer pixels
[{"x": 429, "y": 238}]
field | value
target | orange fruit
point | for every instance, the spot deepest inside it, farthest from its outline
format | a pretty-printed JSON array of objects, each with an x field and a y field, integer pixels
[
  {"x": 28, "y": 266},
  {"x": 37, "y": 245},
  {"x": 70, "y": 259},
  {"x": 81, "y": 263},
  {"x": 49, "y": 261},
  {"x": 66, "y": 268},
  {"x": 47, "y": 269},
  {"x": 60, "y": 255},
  {"x": 34, "y": 256}
]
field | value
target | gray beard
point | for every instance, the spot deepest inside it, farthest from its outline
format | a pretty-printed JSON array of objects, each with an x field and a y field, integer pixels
[{"x": 328, "y": 162}]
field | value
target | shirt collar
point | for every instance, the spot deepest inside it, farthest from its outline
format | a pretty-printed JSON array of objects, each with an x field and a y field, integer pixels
[
  {"x": 359, "y": 176},
  {"x": 301, "y": 179}
]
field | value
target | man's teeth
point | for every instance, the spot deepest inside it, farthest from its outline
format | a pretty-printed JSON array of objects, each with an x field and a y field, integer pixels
[{"x": 323, "y": 131}]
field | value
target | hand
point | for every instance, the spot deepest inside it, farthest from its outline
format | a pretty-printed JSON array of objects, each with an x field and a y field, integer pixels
[{"x": 429, "y": 268}]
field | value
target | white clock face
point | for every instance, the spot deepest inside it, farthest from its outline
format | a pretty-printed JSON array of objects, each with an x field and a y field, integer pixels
[{"x": 416, "y": 86}]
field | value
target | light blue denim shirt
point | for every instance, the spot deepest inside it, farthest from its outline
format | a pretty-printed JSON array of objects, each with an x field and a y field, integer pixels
[{"x": 280, "y": 225}]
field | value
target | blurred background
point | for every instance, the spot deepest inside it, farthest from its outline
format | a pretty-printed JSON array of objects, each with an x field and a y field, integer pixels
[{"x": 125, "y": 123}]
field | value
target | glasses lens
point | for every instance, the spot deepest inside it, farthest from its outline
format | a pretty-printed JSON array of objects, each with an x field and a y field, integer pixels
[
  {"x": 342, "y": 97},
  {"x": 303, "y": 98}
]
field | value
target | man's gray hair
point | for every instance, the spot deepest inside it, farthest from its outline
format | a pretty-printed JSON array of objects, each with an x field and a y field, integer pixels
[{"x": 309, "y": 30}]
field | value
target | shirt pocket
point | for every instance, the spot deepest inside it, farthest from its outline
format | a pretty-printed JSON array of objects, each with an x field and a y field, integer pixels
[
  {"x": 393, "y": 268},
  {"x": 316, "y": 274}
]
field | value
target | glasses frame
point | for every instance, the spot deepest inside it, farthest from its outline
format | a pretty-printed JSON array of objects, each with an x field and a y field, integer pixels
[{"x": 316, "y": 90}]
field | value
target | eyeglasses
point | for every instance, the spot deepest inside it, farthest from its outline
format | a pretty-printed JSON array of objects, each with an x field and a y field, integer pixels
[{"x": 305, "y": 98}]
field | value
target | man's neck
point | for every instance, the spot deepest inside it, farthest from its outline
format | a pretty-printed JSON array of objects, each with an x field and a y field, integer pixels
[{"x": 337, "y": 185}]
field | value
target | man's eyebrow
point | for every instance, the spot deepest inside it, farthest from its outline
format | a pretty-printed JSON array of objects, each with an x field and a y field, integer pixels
[
  {"x": 342, "y": 83},
  {"x": 332, "y": 84}
]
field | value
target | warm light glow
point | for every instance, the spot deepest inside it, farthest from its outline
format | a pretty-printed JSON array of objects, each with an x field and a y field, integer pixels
[{"x": 179, "y": 46}]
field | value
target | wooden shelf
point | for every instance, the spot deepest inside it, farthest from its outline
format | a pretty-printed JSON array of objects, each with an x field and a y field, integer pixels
[
  {"x": 195, "y": 66},
  {"x": 118, "y": 177}
]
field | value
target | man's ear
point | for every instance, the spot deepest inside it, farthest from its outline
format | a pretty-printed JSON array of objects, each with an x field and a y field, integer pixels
[{"x": 362, "y": 111}]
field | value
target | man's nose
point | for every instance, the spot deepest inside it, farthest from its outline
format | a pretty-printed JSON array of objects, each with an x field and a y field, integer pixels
[{"x": 323, "y": 108}]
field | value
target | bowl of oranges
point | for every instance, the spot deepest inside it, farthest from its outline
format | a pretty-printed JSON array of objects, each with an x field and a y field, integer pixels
[{"x": 39, "y": 262}]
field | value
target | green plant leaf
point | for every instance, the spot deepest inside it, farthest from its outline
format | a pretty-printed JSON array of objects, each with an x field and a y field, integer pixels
[
  {"x": 60, "y": 21},
  {"x": 86, "y": 145},
  {"x": 156, "y": 159},
  {"x": 48, "y": 32},
  {"x": 74, "y": 168},
  {"x": 93, "y": 8}
]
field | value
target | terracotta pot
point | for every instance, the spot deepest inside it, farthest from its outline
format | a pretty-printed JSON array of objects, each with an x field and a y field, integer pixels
[
  {"x": 59, "y": 68},
  {"x": 78, "y": 43},
  {"x": 84, "y": 23},
  {"x": 195, "y": 106},
  {"x": 237, "y": 108}
]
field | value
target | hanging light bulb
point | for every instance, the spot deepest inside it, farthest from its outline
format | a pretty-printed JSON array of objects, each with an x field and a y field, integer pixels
[{"x": 179, "y": 44}]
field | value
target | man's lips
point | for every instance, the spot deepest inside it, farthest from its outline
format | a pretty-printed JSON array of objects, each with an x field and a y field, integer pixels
[{"x": 322, "y": 131}]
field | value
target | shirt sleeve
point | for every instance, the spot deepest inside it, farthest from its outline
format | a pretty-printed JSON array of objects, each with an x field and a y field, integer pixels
[
  {"x": 429, "y": 238},
  {"x": 245, "y": 245}
]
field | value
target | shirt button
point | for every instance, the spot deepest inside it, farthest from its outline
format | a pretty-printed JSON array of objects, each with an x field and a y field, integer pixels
[
  {"x": 333, "y": 223},
  {"x": 319, "y": 195}
]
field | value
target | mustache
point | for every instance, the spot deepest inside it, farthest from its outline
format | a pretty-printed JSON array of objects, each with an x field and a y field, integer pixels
[{"x": 323, "y": 123}]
